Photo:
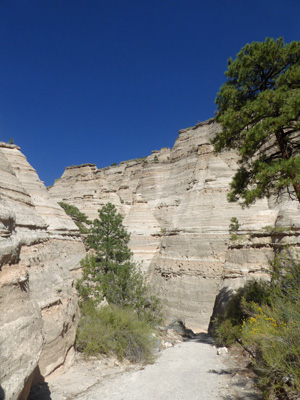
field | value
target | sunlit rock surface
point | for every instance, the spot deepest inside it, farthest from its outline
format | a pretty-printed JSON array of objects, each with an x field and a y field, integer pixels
[
  {"x": 174, "y": 204},
  {"x": 39, "y": 248}
]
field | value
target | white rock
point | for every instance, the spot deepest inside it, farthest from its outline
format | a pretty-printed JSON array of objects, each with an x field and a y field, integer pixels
[
  {"x": 222, "y": 350},
  {"x": 177, "y": 212},
  {"x": 38, "y": 323}
]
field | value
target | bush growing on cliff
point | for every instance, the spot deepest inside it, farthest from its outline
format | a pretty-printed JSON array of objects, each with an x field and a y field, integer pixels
[
  {"x": 80, "y": 219},
  {"x": 233, "y": 228}
]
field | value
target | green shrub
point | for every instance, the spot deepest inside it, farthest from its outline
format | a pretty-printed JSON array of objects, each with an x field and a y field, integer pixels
[
  {"x": 226, "y": 332},
  {"x": 233, "y": 228},
  {"x": 265, "y": 316},
  {"x": 124, "y": 327},
  {"x": 117, "y": 331},
  {"x": 80, "y": 219},
  {"x": 228, "y": 324},
  {"x": 276, "y": 343},
  {"x": 110, "y": 271},
  {"x": 89, "y": 289}
]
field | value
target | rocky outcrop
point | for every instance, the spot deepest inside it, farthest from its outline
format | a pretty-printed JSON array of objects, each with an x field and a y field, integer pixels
[
  {"x": 174, "y": 204},
  {"x": 39, "y": 248}
]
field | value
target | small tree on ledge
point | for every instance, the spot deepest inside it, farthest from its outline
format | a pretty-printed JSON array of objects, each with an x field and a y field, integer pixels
[{"x": 80, "y": 219}]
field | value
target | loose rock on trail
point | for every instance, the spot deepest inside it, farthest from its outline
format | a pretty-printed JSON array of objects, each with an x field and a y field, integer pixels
[{"x": 190, "y": 370}]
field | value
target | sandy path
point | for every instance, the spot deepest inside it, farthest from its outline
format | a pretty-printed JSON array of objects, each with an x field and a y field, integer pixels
[
  {"x": 181, "y": 373},
  {"x": 190, "y": 370}
]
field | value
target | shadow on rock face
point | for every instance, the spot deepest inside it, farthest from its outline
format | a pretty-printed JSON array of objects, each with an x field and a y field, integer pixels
[
  {"x": 179, "y": 327},
  {"x": 188, "y": 335},
  {"x": 40, "y": 392},
  {"x": 39, "y": 388},
  {"x": 221, "y": 301},
  {"x": 2, "y": 394}
]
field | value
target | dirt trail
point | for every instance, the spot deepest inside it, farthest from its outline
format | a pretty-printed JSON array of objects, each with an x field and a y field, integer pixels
[{"x": 190, "y": 370}]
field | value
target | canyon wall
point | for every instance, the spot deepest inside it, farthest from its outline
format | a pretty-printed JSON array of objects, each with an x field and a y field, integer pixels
[
  {"x": 174, "y": 205},
  {"x": 40, "y": 249}
]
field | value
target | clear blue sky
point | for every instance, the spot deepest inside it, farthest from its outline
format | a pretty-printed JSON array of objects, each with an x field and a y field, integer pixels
[{"x": 103, "y": 81}]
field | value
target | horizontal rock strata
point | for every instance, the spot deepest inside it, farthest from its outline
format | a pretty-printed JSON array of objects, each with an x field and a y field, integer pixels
[
  {"x": 39, "y": 248},
  {"x": 174, "y": 204}
]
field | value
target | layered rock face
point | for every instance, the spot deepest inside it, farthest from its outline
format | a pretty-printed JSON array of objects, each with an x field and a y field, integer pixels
[
  {"x": 174, "y": 204},
  {"x": 39, "y": 248}
]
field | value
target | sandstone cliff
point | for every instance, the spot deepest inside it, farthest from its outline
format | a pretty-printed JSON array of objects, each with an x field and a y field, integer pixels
[
  {"x": 39, "y": 248},
  {"x": 174, "y": 204}
]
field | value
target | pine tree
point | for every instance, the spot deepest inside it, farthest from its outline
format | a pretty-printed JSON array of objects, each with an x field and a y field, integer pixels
[
  {"x": 110, "y": 272},
  {"x": 259, "y": 110}
]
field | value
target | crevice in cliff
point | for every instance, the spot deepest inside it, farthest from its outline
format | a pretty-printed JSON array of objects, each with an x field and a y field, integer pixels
[{"x": 44, "y": 305}]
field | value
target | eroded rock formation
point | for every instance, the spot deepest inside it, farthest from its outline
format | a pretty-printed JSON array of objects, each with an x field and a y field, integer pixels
[
  {"x": 174, "y": 204},
  {"x": 39, "y": 248}
]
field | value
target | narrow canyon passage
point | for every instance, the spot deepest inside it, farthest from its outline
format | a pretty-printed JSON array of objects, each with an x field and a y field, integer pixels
[{"x": 188, "y": 371}]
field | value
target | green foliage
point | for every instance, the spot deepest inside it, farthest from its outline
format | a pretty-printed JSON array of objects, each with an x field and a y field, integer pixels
[
  {"x": 265, "y": 317},
  {"x": 124, "y": 327},
  {"x": 113, "y": 164},
  {"x": 110, "y": 271},
  {"x": 89, "y": 285},
  {"x": 155, "y": 159},
  {"x": 274, "y": 333},
  {"x": 80, "y": 219},
  {"x": 109, "y": 238},
  {"x": 163, "y": 231},
  {"x": 226, "y": 332},
  {"x": 259, "y": 110},
  {"x": 234, "y": 227},
  {"x": 273, "y": 230},
  {"x": 112, "y": 330},
  {"x": 228, "y": 324},
  {"x": 11, "y": 141}
]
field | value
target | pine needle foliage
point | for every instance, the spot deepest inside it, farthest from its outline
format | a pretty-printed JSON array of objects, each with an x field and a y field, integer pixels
[
  {"x": 258, "y": 108},
  {"x": 110, "y": 273},
  {"x": 80, "y": 219},
  {"x": 125, "y": 327}
]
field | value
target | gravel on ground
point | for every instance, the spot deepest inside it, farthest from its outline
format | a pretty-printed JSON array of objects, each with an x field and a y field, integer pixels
[{"x": 189, "y": 370}]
